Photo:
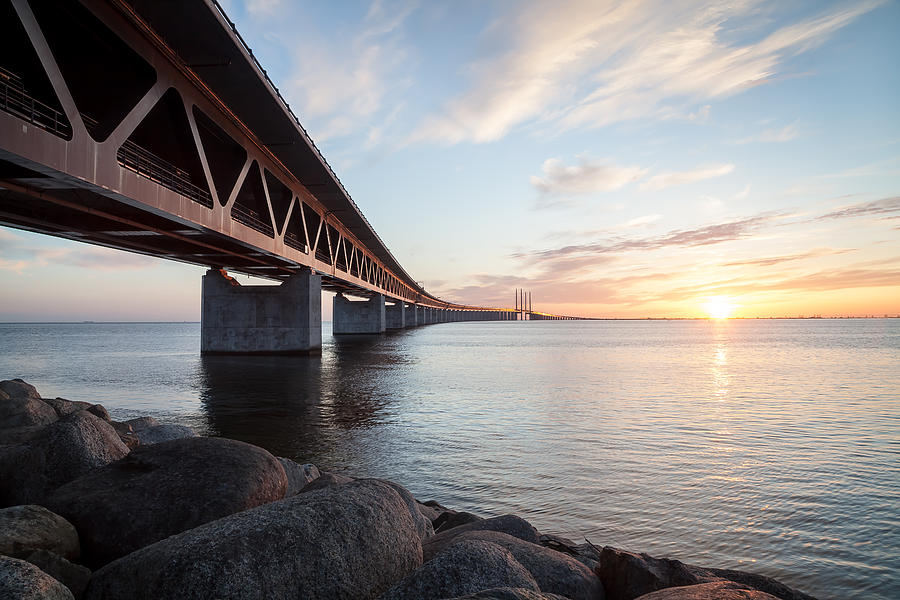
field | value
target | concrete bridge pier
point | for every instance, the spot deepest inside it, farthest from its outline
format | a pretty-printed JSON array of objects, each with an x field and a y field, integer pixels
[
  {"x": 358, "y": 316},
  {"x": 261, "y": 319},
  {"x": 395, "y": 315},
  {"x": 411, "y": 315}
]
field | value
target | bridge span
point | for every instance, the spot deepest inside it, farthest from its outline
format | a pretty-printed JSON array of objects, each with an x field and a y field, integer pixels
[{"x": 149, "y": 126}]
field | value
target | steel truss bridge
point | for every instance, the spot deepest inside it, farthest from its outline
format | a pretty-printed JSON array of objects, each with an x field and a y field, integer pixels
[{"x": 149, "y": 126}]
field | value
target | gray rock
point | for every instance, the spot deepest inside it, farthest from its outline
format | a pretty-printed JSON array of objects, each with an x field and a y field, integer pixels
[
  {"x": 627, "y": 575},
  {"x": 65, "y": 407},
  {"x": 18, "y": 388},
  {"x": 21, "y": 406},
  {"x": 142, "y": 423},
  {"x": 324, "y": 480},
  {"x": 429, "y": 512},
  {"x": 466, "y": 567},
  {"x": 720, "y": 590},
  {"x": 163, "y": 489},
  {"x": 751, "y": 581},
  {"x": 553, "y": 571},
  {"x": 423, "y": 525},
  {"x": 450, "y": 519},
  {"x": 75, "y": 577},
  {"x": 99, "y": 411},
  {"x": 61, "y": 452},
  {"x": 17, "y": 435},
  {"x": 163, "y": 433},
  {"x": 21, "y": 580},
  {"x": 24, "y": 529},
  {"x": 349, "y": 541},
  {"x": 298, "y": 476},
  {"x": 511, "y": 524},
  {"x": 510, "y": 594}
]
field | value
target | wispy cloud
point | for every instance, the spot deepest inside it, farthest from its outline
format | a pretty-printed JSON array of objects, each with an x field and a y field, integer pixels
[
  {"x": 19, "y": 255},
  {"x": 666, "y": 180},
  {"x": 590, "y": 63},
  {"x": 880, "y": 208},
  {"x": 349, "y": 83},
  {"x": 586, "y": 177},
  {"x": 771, "y": 261},
  {"x": 784, "y": 134}
]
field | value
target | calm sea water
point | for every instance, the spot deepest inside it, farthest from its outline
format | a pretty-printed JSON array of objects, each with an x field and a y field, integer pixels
[{"x": 769, "y": 446}]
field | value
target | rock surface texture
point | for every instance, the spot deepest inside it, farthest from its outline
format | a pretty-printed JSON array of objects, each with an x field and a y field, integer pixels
[
  {"x": 60, "y": 452},
  {"x": 466, "y": 567},
  {"x": 21, "y": 580},
  {"x": 163, "y": 433},
  {"x": 298, "y": 476},
  {"x": 510, "y": 594},
  {"x": 75, "y": 577},
  {"x": 26, "y": 528},
  {"x": 163, "y": 489},
  {"x": 509, "y": 524},
  {"x": 349, "y": 541},
  {"x": 21, "y": 405},
  {"x": 719, "y": 590},
  {"x": 553, "y": 571}
]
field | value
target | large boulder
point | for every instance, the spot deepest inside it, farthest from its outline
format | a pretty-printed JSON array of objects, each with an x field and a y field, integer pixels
[
  {"x": 719, "y": 590},
  {"x": 423, "y": 525},
  {"x": 24, "y": 529},
  {"x": 298, "y": 476},
  {"x": 553, "y": 571},
  {"x": 751, "y": 581},
  {"x": 65, "y": 407},
  {"x": 75, "y": 577},
  {"x": 510, "y": 594},
  {"x": 324, "y": 480},
  {"x": 627, "y": 575},
  {"x": 510, "y": 524},
  {"x": 466, "y": 567},
  {"x": 348, "y": 541},
  {"x": 21, "y": 580},
  {"x": 163, "y": 433},
  {"x": 163, "y": 489},
  {"x": 21, "y": 405},
  {"x": 451, "y": 518},
  {"x": 60, "y": 452}
]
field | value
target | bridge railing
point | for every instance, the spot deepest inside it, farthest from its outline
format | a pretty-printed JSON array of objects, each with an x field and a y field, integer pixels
[
  {"x": 145, "y": 163},
  {"x": 251, "y": 219},
  {"x": 16, "y": 100}
]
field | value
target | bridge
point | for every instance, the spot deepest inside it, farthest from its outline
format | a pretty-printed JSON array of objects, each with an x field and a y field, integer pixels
[{"x": 149, "y": 126}]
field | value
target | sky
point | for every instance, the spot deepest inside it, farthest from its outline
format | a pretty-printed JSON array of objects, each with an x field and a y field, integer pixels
[{"x": 628, "y": 160}]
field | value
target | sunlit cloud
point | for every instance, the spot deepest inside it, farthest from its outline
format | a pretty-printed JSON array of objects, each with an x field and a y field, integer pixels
[
  {"x": 771, "y": 261},
  {"x": 883, "y": 208},
  {"x": 19, "y": 256},
  {"x": 585, "y": 177},
  {"x": 670, "y": 179},
  {"x": 589, "y": 63}
]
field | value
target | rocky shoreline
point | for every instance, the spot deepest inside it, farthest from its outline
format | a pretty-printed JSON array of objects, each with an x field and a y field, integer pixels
[{"x": 97, "y": 509}]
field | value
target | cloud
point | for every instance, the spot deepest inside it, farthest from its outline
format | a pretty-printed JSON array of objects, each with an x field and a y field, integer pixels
[
  {"x": 666, "y": 180},
  {"x": 785, "y": 134},
  {"x": 884, "y": 208},
  {"x": 586, "y": 177},
  {"x": 771, "y": 261},
  {"x": 590, "y": 63},
  {"x": 349, "y": 82},
  {"x": 19, "y": 256}
]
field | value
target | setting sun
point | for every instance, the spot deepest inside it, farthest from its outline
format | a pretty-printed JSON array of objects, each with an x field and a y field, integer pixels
[{"x": 719, "y": 307}]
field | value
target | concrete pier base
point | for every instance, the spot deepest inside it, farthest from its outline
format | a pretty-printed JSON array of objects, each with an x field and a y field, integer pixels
[
  {"x": 360, "y": 316},
  {"x": 411, "y": 315},
  {"x": 261, "y": 319},
  {"x": 395, "y": 316}
]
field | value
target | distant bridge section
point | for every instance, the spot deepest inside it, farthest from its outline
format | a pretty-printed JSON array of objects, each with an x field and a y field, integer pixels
[{"x": 149, "y": 126}]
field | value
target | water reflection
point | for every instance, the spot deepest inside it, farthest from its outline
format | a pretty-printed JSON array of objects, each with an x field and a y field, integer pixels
[{"x": 297, "y": 406}]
